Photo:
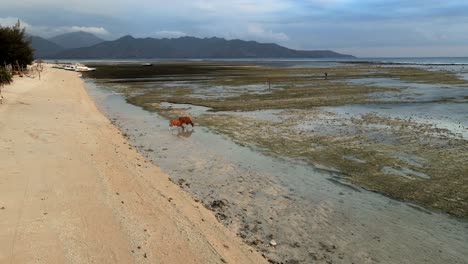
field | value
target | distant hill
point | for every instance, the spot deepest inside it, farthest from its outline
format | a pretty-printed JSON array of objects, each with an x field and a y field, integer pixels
[
  {"x": 43, "y": 47},
  {"x": 188, "y": 47},
  {"x": 76, "y": 40}
]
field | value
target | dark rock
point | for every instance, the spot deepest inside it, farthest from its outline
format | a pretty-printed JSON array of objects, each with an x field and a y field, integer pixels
[
  {"x": 181, "y": 181},
  {"x": 218, "y": 204},
  {"x": 221, "y": 216}
]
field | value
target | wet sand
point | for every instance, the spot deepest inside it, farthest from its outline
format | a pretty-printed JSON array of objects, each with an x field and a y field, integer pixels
[
  {"x": 73, "y": 191},
  {"x": 311, "y": 212}
]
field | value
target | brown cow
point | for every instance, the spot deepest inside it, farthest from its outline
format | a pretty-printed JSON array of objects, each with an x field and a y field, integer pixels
[
  {"x": 186, "y": 120},
  {"x": 175, "y": 122}
]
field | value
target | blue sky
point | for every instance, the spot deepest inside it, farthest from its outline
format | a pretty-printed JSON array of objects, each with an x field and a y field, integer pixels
[{"x": 366, "y": 28}]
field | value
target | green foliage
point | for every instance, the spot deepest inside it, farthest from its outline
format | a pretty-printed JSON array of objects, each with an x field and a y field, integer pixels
[
  {"x": 14, "y": 46},
  {"x": 5, "y": 77}
]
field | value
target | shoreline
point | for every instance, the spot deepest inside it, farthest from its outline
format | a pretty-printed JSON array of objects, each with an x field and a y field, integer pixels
[{"x": 72, "y": 190}]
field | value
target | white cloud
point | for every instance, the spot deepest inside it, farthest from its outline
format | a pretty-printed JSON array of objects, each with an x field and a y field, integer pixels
[
  {"x": 46, "y": 31},
  {"x": 11, "y": 21},
  {"x": 204, "y": 5},
  {"x": 169, "y": 34},
  {"x": 242, "y": 6},
  {"x": 116, "y": 7},
  {"x": 104, "y": 7},
  {"x": 327, "y": 3},
  {"x": 257, "y": 32},
  {"x": 94, "y": 30}
]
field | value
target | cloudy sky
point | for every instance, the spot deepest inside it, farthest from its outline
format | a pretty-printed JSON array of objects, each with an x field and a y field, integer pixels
[{"x": 366, "y": 28}]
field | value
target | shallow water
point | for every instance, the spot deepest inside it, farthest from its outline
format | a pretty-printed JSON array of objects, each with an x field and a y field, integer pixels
[
  {"x": 265, "y": 115},
  {"x": 463, "y": 76},
  {"x": 414, "y": 92},
  {"x": 404, "y": 172},
  {"x": 451, "y": 116},
  {"x": 196, "y": 111},
  {"x": 193, "y": 110},
  {"x": 310, "y": 212},
  {"x": 225, "y": 91}
]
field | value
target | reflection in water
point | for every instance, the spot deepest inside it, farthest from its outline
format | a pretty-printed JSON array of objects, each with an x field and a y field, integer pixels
[{"x": 185, "y": 132}]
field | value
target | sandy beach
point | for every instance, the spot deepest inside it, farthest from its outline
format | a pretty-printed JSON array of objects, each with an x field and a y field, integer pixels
[{"x": 73, "y": 191}]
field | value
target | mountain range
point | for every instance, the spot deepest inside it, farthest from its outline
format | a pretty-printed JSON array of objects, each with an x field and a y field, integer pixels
[
  {"x": 47, "y": 47},
  {"x": 76, "y": 40},
  {"x": 81, "y": 45},
  {"x": 43, "y": 47}
]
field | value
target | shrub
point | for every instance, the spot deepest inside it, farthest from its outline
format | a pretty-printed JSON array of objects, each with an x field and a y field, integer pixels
[{"x": 5, "y": 77}]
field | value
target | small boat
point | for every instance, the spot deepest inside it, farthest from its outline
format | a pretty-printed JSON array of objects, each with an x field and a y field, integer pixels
[
  {"x": 70, "y": 68},
  {"x": 83, "y": 68},
  {"x": 147, "y": 64}
]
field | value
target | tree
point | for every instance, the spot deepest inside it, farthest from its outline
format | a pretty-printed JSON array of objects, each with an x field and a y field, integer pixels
[{"x": 14, "y": 47}]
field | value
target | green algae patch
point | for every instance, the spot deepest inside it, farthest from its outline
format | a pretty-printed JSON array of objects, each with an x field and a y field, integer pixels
[{"x": 437, "y": 179}]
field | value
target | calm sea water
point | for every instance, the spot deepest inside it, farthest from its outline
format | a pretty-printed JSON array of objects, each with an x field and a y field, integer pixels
[
  {"x": 402, "y": 60},
  {"x": 421, "y": 60}
]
